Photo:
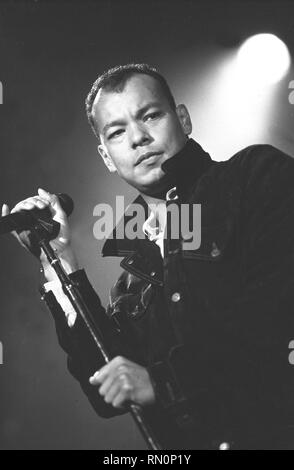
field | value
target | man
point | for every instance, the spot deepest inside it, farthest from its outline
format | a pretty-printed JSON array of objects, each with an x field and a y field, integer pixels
[{"x": 199, "y": 337}]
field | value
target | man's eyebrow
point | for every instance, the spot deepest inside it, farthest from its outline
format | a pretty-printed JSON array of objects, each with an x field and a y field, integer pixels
[
  {"x": 139, "y": 114},
  {"x": 118, "y": 122},
  {"x": 145, "y": 108}
]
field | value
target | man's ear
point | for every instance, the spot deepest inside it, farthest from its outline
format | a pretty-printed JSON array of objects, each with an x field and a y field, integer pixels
[
  {"x": 106, "y": 158},
  {"x": 184, "y": 118}
]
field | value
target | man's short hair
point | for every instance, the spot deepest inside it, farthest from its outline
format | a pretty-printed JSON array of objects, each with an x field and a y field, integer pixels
[{"x": 115, "y": 79}]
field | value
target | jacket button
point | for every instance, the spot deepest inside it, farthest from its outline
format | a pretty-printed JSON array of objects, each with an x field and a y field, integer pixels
[
  {"x": 153, "y": 273},
  {"x": 176, "y": 297},
  {"x": 224, "y": 446},
  {"x": 130, "y": 261}
]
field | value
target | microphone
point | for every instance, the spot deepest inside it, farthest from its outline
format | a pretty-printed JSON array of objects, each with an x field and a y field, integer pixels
[{"x": 27, "y": 219}]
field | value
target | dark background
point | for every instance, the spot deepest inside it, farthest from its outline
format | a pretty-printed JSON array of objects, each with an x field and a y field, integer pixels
[{"x": 50, "y": 53}]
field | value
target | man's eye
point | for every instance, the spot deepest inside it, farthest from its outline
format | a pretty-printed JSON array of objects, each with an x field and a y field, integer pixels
[
  {"x": 153, "y": 115},
  {"x": 115, "y": 133}
]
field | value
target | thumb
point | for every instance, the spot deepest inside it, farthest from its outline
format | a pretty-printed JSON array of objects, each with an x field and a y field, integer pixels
[
  {"x": 5, "y": 210},
  {"x": 55, "y": 206}
]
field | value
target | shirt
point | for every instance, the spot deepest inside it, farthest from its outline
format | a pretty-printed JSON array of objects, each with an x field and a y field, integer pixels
[{"x": 153, "y": 227}]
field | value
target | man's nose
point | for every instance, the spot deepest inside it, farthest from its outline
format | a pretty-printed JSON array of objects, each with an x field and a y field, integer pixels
[{"x": 139, "y": 135}]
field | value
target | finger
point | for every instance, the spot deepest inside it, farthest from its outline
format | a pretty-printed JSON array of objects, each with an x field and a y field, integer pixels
[
  {"x": 117, "y": 365},
  {"x": 5, "y": 210},
  {"x": 41, "y": 203},
  {"x": 114, "y": 390},
  {"x": 122, "y": 399},
  {"x": 121, "y": 387},
  {"x": 106, "y": 373},
  {"x": 44, "y": 194},
  {"x": 95, "y": 378},
  {"x": 23, "y": 205},
  {"x": 106, "y": 385},
  {"x": 100, "y": 375},
  {"x": 56, "y": 208},
  {"x": 29, "y": 204}
]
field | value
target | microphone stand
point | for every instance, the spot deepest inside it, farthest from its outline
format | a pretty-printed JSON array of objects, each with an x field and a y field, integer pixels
[{"x": 43, "y": 234}]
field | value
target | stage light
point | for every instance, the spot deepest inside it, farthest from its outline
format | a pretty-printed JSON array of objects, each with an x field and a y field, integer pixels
[
  {"x": 263, "y": 59},
  {"x": 231, "y": 110},
  {"x": 234, "y": 98}
]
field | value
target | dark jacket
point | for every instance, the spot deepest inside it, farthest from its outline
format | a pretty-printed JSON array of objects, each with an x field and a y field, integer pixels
[{"x": 212, "y": 325}]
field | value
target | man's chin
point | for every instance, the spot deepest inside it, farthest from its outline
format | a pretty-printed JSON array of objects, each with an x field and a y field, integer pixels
[{"x": 155, "y": 188}]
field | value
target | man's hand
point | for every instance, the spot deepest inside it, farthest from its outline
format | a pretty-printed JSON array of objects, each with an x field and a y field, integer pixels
[
  {"x": 61, "y": 244},
  {"x": 122, "y": 381}
]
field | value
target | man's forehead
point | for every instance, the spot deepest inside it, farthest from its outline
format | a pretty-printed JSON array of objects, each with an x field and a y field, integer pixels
[{"x": 139, "y": 90}]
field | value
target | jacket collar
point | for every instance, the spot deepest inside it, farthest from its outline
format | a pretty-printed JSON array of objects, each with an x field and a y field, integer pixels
[
  {"x": 186, "y": 167},
  {"x": 183, "y": 171}
]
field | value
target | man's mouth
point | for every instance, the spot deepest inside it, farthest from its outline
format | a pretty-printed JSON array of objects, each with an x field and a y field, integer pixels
[{"x": 145, "y": 156}]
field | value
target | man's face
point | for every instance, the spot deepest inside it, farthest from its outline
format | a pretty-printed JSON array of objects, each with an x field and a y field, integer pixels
[{"x": 139, "y": 131}]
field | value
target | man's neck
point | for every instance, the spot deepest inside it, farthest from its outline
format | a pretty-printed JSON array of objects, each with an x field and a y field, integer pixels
[
  {"x": 158, "y": 209},
  {"x": 150, "y": 200}
]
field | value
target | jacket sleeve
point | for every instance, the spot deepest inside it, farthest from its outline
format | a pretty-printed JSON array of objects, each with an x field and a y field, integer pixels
[
  {"x": 243, "y": 375},
  {"x": 83, "y": 356}
]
